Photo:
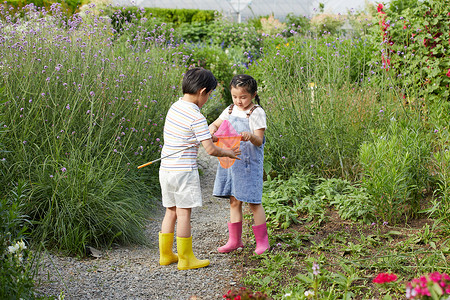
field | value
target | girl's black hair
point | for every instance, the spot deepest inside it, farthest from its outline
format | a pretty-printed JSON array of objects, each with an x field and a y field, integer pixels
[
  {"x": 247, "y": 82},
  {"x": 196, "y": 79}
]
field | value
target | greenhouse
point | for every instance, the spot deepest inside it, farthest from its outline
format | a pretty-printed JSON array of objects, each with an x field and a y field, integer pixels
[{"x": 241, "y": 10}]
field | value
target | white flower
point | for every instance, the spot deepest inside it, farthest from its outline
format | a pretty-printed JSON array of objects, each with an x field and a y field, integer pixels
[
  {"x": 21, "y": 245},
  {"x": 309, "y": 293},
  {"x": 18, "y": 246},
  {"x": 13, "y": 249}
]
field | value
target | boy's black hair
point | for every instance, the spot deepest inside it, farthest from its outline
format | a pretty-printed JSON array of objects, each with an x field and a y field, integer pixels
[
  {"x": 247, "y": 82},
  {"x": 196, "y": 79}
]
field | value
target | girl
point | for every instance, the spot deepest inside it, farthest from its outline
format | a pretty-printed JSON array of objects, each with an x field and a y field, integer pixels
[{"x": 243, "y": 181}]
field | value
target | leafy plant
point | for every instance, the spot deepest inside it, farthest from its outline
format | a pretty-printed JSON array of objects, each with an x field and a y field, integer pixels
[{"x": 282, "y": 198}]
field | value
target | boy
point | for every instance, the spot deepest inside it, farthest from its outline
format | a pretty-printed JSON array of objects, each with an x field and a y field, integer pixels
[{"x": 178, "y": 175}]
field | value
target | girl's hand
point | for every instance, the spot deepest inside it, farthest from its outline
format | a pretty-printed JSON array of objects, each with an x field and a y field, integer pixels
[
  {"x": 214, "y": 138},
  {"x": 246, "y": 136},
  {"x": 255, "y": 138}
]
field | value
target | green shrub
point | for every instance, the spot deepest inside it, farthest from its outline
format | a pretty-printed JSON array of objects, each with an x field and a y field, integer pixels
[
  {"x": 213, "y": 58},
  {"x": 177, "y": 17},
  {"x": 194, "y": 32},
  {"x": 71, "y": 6},
  {"x": 227, "y": 34},
  {"x": 413, "y": 37},
  {"x": 300, "y": 24},
  {"x": 395, "y": 170}
]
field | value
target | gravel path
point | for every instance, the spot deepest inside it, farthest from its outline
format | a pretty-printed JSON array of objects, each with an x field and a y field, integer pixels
[{"x": 134, "y": 272}]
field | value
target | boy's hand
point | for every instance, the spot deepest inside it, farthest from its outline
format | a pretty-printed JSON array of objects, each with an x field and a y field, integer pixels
[
  {"x": 214, "y": 138},
  {"x": 212, "y": 129},
  {"x": 234, "y": 152}
]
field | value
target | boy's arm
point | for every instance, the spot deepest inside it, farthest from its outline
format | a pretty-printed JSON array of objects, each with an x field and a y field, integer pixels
[
  {"x": 213, "y": 128},
  {"x": 215, "y": 125},
  {"x": 213, "y": 150}
]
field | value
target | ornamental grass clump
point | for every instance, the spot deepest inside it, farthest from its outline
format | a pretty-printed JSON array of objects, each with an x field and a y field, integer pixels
[
  {"x": 319, "y": 108},
  {"x": 85, "y": 106}
]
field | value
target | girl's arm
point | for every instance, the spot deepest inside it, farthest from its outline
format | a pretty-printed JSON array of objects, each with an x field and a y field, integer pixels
[{"x": 256, "y": 138}]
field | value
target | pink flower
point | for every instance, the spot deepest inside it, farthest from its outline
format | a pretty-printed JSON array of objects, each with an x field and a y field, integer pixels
[
  {"x": 419, "y": 287},
  {"x": 448, "y": 73},
  {"x": 380, "y": 8},
  {"x": 384, "y": 278}
]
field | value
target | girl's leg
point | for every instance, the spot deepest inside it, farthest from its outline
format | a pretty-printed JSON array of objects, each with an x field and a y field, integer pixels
[
  {"x": 235, "y": 210},
  {"x": 259, "y": 215},
  {"x": 170, "y": 218},
  {"x": 234, "y": 227},
  {"x": 260, "y": 228}
]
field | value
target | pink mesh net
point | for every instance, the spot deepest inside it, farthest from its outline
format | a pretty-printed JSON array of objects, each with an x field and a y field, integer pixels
[{"x": 227, "y": 138}]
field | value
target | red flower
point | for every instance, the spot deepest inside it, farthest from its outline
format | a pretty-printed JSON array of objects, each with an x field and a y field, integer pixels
[
  {"x": 448, "y": 73},
  {"x": 380, "y": 8},
  {"x": 385, "y": 277}
]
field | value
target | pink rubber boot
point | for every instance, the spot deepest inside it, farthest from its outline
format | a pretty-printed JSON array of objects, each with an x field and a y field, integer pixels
[
  {"x": 262, "y": 238},
  {"x": 234, "y": 238}
]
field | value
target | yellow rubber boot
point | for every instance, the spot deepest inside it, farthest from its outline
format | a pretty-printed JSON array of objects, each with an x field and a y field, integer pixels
[
  {"x": 186, "y": 258},
  {"x": 166, "y": 255}
]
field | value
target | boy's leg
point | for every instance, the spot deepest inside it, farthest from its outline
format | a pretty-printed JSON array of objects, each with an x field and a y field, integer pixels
[
  {"x": 260, "y": 228},
  {"x": 166, "y": 255},
  {"x": 186, "y": 257},
  {"x": 170, "y": 218},
  {"x": 184, "y": 222}
]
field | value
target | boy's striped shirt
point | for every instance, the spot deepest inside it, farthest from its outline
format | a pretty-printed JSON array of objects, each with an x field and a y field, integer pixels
[{"x": 184, "y": 126}]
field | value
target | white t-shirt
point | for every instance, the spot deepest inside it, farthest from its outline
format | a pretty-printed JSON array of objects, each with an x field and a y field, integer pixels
[{"x": 257, "y": 119}]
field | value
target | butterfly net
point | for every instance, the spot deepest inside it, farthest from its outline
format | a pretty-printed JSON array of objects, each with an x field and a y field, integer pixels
[{"x": 227, "y": 138}]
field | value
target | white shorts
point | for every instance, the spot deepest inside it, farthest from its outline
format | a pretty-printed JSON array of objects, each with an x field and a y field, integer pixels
[{"x": 180, "y": 189}]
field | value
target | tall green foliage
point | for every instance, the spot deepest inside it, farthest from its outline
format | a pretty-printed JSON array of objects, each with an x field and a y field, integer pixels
[
  {"x": 395, "y": 170},
  {"x": 80, "y": 117}
]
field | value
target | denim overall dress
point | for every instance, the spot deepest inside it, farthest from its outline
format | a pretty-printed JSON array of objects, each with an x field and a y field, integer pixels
[{"x": 244, "y": 179}]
